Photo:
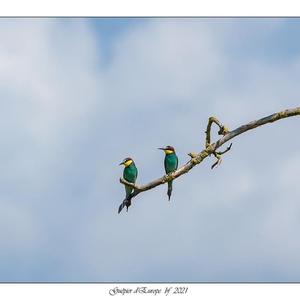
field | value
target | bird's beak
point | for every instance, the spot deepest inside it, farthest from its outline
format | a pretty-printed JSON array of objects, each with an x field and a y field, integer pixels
[
  {"x": 161, "y": 148},
  {"x": 122, "y": 163}
]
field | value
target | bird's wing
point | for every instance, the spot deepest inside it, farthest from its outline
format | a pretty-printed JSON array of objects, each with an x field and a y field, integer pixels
[{"x": 165, "y": 164}]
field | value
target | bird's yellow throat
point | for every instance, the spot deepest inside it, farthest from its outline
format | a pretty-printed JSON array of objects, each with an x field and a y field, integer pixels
[
  {"x": 128, "y": 163},
  {"x": 168, "y": 151}
]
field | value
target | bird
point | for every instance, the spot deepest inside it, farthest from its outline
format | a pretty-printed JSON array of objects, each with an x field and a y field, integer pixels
[
  {"x": 171, "y": 164},
  {"x": 130, "y": 174}
]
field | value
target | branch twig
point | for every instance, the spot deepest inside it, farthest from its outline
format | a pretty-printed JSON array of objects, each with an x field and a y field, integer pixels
[
  {"x": 197, "y": 158},
  {"x": 222, "y": 129},
  {"x": 218, "y": 156}
]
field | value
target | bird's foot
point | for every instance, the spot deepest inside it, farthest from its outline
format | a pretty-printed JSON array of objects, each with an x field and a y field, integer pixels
[{"x": 167, "y": 177}]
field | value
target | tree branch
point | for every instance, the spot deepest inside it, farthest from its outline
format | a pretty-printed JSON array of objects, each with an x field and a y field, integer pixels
[
  {"x": 197, "y": 158},
  {"x": 218, "y": 156},
  {"x": 222, "y": 129}
]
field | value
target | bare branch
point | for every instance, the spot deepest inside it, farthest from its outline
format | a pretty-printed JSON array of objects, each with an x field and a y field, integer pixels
[
  {"x": 197, "y": 158},
  {"x": 218, "y": 156},
  {"x": 122, "y": 180},
  {"x": 222, "y": 129},
  {"x": 223, "y": 152}
]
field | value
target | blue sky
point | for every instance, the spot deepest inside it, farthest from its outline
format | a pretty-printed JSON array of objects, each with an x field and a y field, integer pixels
[{"x": 79, "y": 95}]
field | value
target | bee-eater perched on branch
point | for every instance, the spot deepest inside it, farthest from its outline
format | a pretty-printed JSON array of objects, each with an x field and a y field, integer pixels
[
  {"x": 129, "y": 174},
  {"x": 171, "y": 164}
]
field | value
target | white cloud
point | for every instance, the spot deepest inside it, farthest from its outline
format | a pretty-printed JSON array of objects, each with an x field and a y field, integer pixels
[
  {"x": 178, "y": 75},
  {"x": 49, "y": 90}
]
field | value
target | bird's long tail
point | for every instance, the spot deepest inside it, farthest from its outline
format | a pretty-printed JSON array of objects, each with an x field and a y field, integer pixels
[
  {"x": 126, "y": 202},
  {"x": 170, "y": 183}
]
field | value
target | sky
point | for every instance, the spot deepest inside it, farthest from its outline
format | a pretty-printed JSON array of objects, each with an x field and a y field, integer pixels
[{"x": 78, "y": 95}]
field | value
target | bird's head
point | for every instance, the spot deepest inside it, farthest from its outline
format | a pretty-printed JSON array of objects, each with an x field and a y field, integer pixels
[
  {"x": 168, "y": 149},
  {"x": 126, "y": 162}
]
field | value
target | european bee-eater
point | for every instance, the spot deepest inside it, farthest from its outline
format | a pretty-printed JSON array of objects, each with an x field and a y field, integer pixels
[
  {"x": 129, "y": 174},
  {"x": 171, "y": 164}
]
